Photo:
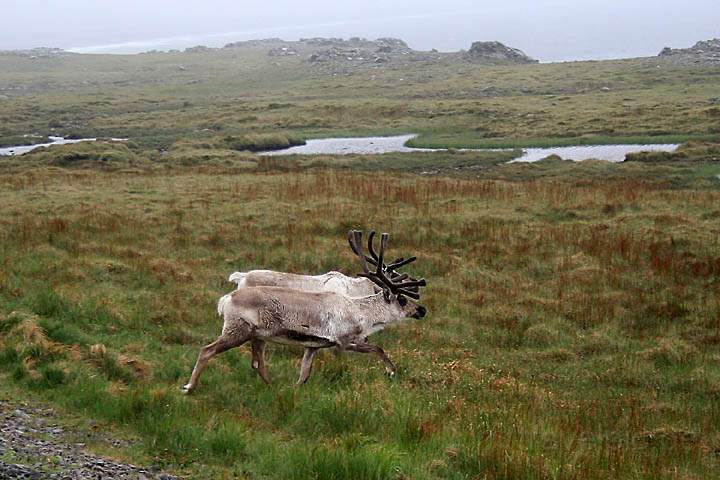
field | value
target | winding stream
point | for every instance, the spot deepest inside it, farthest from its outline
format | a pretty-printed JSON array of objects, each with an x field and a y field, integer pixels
[
  {"x": 379, "y": 145},
  {"x": 610, "y": 153}
]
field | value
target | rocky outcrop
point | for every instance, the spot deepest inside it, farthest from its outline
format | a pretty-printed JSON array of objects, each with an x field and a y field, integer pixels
[
  {"x": 347, "y": 55},
  {"x": 358, "y": 51},
  {"x": 324, "y": 42},
  {"x": 344, "y": 55},
  {"x": 389, "y": 44},
  {"x": 496, "y": 52},
  {"x": 199, "y": 49},
  {"x": 704, "y": 53},
  {"x": 283, "y": 52},
  {"x": 255, "y": 43},
  {"x": 40, "y": 52},
  {"x": 341, "y": 56}
]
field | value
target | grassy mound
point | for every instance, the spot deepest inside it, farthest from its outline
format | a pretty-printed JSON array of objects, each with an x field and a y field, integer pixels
[
  {"x": 259, "y": 142},
  {"x": 98, "y": 154}
]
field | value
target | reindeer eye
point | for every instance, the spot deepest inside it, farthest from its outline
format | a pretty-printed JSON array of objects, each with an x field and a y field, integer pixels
[{"x": 402, "y": 301}]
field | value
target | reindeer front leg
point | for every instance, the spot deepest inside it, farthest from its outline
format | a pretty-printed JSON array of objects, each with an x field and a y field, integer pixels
[
  {"x": 306, "y": 365},
  {"x": 364, "y": 347}
]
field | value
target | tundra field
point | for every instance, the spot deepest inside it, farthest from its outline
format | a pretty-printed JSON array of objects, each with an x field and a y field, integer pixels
[{"x": 573, "y": 327}]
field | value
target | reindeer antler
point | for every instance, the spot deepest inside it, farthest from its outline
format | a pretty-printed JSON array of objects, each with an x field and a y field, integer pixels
[
  {"x": 356, "y": 246},
  {"x": 396, "y": 283},
  {"x": 373, "y": 258},
  {"x": 392, "y": 266}
]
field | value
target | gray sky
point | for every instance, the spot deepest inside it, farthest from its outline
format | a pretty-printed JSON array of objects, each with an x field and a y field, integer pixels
[{"x": 549, "y": 30}]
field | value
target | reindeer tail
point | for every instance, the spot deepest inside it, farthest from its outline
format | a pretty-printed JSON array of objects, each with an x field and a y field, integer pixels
[
  {"x": 239, "y": 278},
  {"x": 222, "y": 303}
]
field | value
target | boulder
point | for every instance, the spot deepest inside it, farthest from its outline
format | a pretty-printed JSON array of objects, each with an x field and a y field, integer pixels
[{"x": 496, "y": 51}]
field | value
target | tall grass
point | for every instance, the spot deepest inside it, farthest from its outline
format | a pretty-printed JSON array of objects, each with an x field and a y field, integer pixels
[{"x": 573, "y": 328}]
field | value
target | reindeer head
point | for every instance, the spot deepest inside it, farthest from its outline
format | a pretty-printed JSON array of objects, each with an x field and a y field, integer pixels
[{"x": 397, "y": 287}]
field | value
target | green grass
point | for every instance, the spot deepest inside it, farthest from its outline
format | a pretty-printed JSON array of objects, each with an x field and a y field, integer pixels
[{"x": 572, "y": 328}]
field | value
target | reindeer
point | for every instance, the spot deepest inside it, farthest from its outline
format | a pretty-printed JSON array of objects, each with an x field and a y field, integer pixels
[
  {"x": 314, "y": 320},
  {"x": 327, "y": 282}
]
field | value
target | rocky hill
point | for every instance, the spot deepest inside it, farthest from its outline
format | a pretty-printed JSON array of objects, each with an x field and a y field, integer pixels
[
  {"x": 340, "y": 55},
  {"x": 704, "y": 53},
  {"x": 337, "y": 55}
]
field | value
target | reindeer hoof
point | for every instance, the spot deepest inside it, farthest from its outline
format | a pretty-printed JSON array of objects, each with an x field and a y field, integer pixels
[{"x": 187, "y": 389}]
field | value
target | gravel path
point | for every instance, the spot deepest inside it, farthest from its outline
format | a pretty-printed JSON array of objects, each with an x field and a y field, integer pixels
[{"x": 34, "y": 446}]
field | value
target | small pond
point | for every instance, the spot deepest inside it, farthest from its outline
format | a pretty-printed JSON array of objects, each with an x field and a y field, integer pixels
[{"x": 351, "y": 146}]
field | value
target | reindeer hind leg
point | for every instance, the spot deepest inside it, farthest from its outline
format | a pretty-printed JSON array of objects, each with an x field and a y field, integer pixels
[
  {"x": 258, "y": 359},
  {"x": 306, "y": 365}
]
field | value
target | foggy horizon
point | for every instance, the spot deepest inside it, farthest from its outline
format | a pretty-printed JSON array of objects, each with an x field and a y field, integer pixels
[{"x": 556, "y": 30}]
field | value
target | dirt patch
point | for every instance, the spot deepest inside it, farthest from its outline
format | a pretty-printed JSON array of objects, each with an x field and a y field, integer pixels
[{"x": 34, "y": 446}]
